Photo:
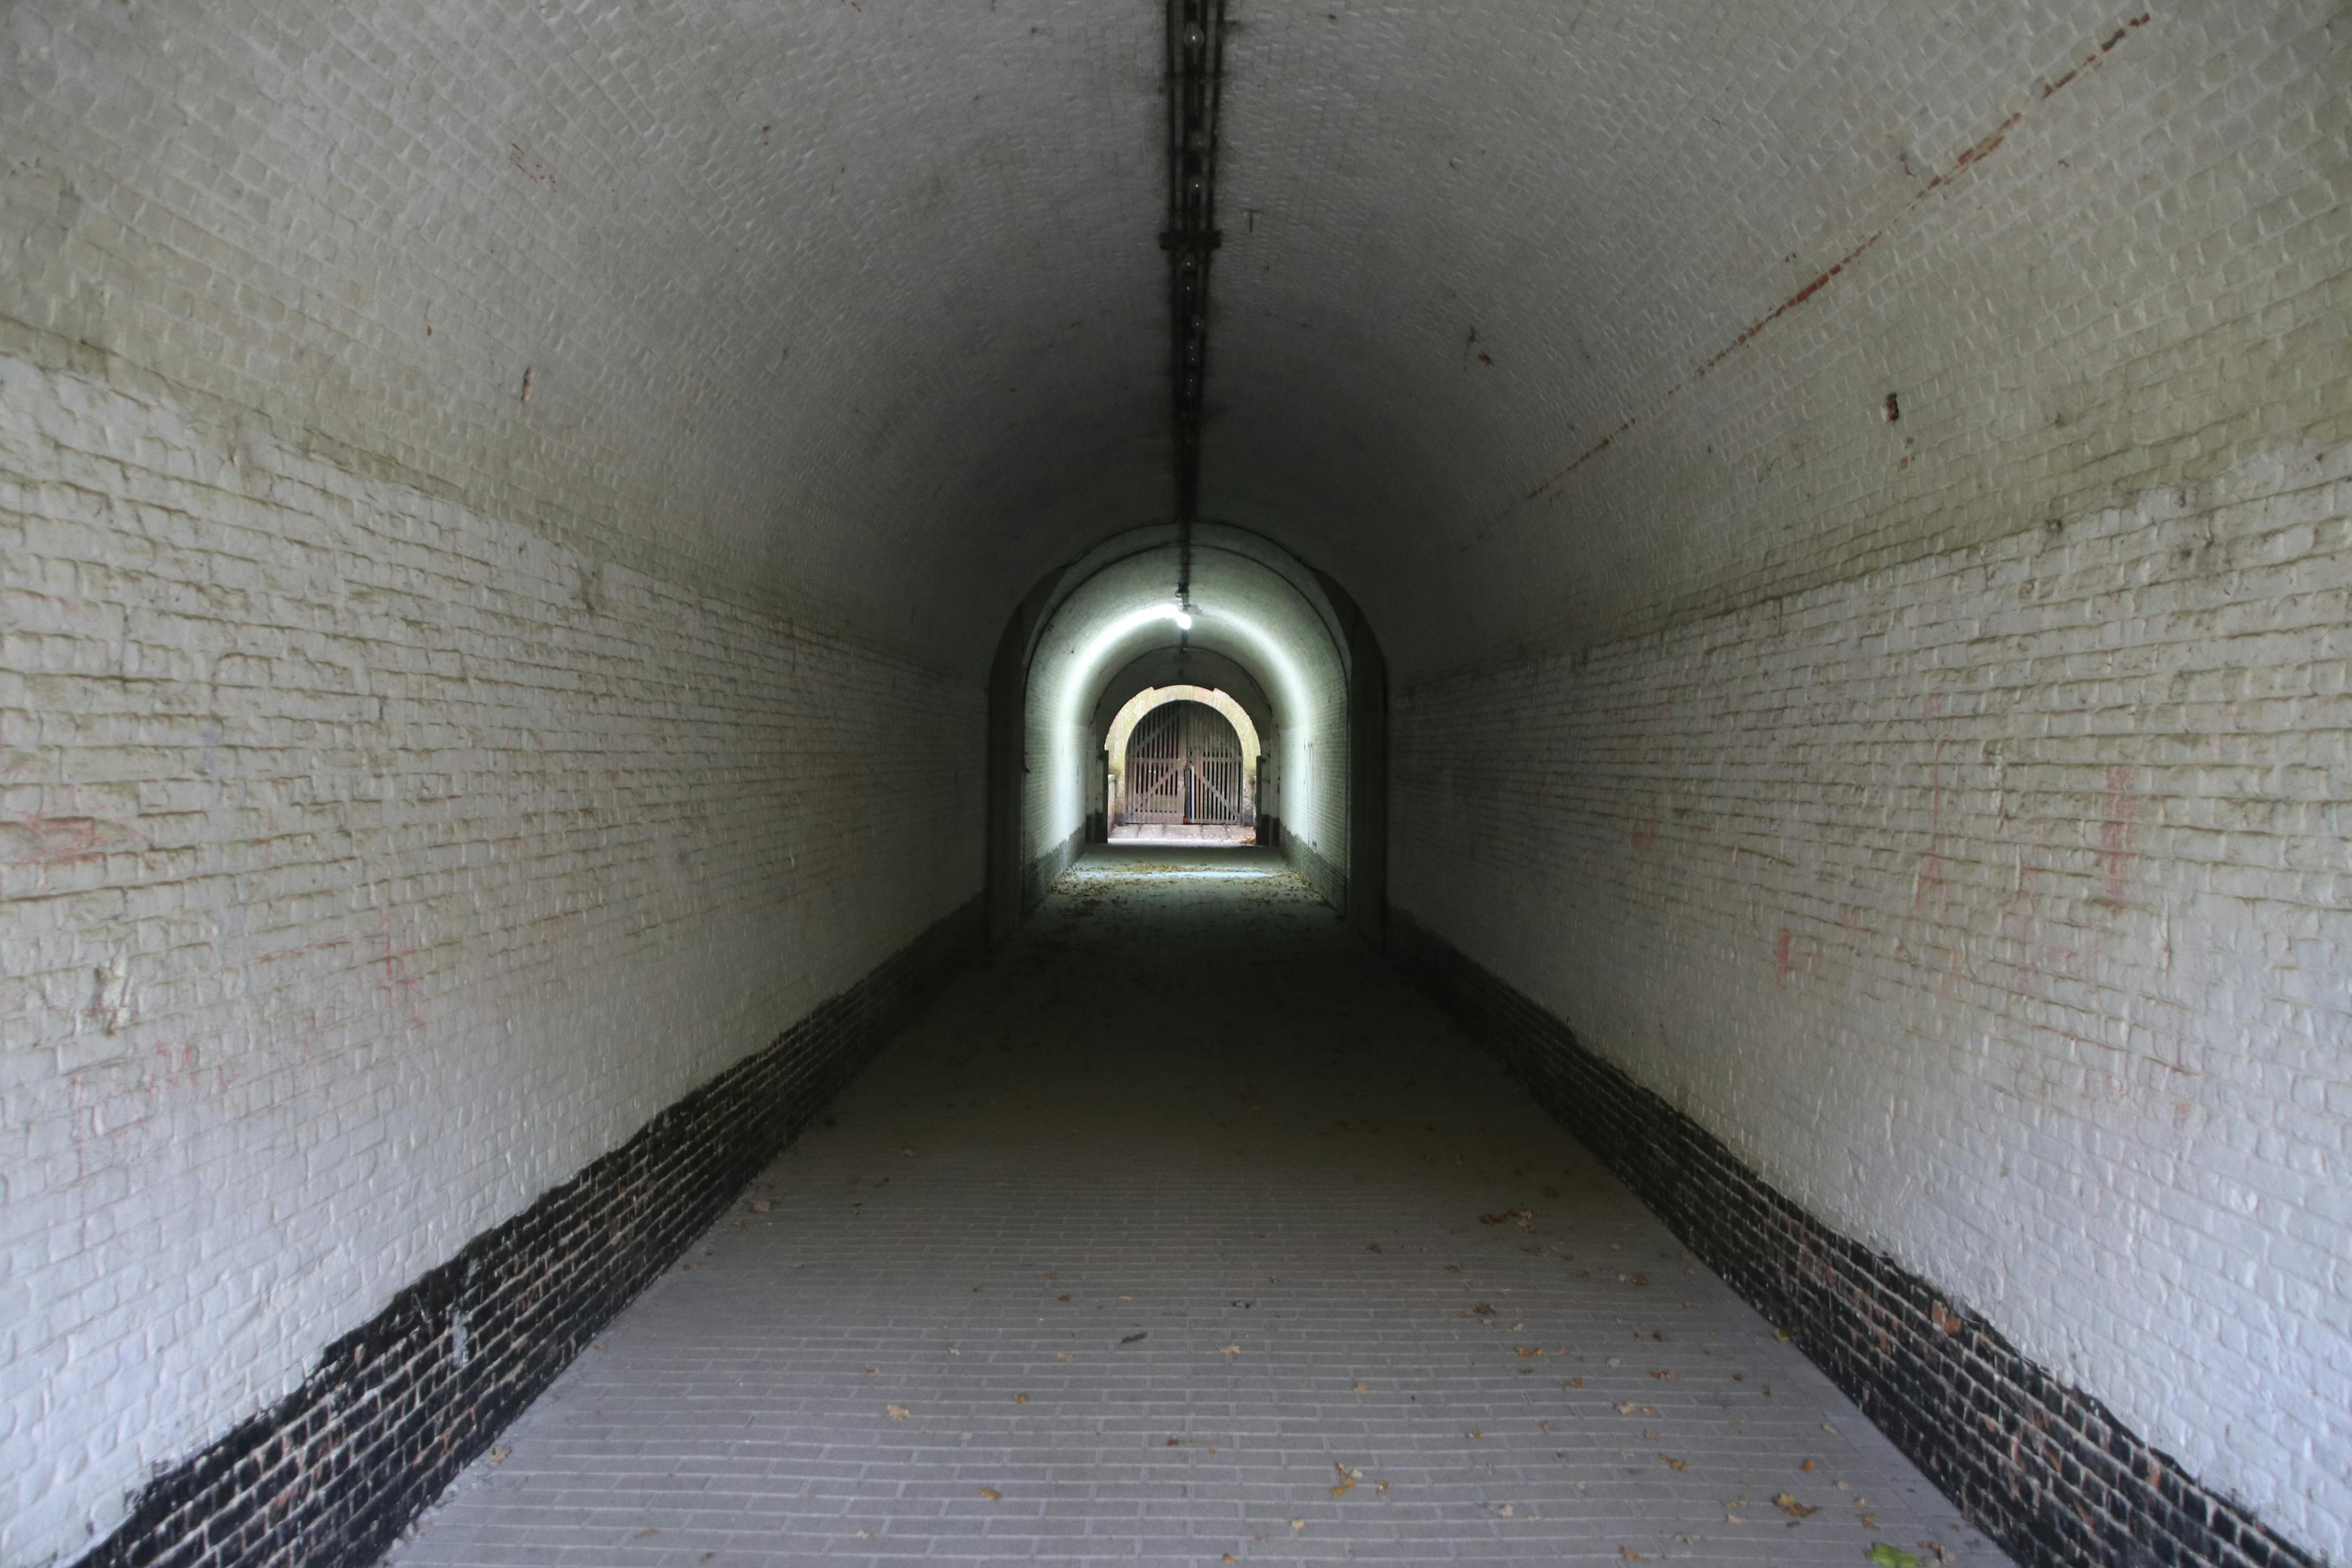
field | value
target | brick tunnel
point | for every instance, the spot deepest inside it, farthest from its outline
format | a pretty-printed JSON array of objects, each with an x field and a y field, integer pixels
[{"x": 1759, "y": 973}]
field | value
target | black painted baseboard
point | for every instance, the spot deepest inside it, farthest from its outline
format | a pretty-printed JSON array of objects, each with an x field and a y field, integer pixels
[
  {"x": 394, "y": 1410},
  {"x": 2044, "y": 1468}
]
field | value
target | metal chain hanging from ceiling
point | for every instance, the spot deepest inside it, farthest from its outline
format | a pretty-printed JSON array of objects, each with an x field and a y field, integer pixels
[{"x": 1196, "y": 46}]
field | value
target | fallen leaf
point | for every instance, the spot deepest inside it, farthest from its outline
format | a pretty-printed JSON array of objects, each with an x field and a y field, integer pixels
[
  {"x": 1806, "y": 1466},
  {"x": 1483, "y": 1309},
  {"x": 896, "y": 1412},
  {"x": 1629, "y": 1407},
  {"x": 1530, "y": 1349},
  {"x": 1061, "y": 1355},
  {"x": 1672, "y": 1463},
  {"x": 1630, "y": 1555},
  {"x": 1361, "y": 1388},
  {"x": 908, "y": 1152},
  {"x": 1229, "y": 1350},
  {"x": 992, "y": 1494},
  {"x": 500, "y": 1454},
  {"x": 1373, "y": 1247},
  {"x": 1019, "y": 1399},
  {"x": 1453, "y": 1269},
  {"x": 1791, "y": 1507},
  {"x": 1063, "y": 1296},
  {"x": 1476, "y": 1434},
  {"x": 1231, "y": 1558},
  {"x": 1298, "y": 1524},
  {"x": 1175, "y": 1442},
  {"x": 759, "y": 1205},
  {"x": 1887, "y": 1556},
  {"x": 1573, "y": 1383},
  {"x": 643, "y": 1533},
  {"x": 1663, "y": 1374},
  {"x": 1543, "y": 1425}
]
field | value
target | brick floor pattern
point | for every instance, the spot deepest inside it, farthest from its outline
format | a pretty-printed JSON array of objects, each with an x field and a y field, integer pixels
[{"x": 1184, "y": 1232}]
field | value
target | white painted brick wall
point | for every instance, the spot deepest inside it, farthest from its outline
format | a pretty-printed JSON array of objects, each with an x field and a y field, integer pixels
[
  {"x": 370, "y": 866},
  {"x": 1994, "y": 907}
]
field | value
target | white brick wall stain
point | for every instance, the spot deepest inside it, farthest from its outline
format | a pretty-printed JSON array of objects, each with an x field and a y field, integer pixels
[
  {"x": 1993, "y": 906},
  {"x": 369, "y": 867}
]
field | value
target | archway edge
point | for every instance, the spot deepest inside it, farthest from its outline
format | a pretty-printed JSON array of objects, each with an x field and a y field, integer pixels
[
  {"x": 1199, "y": 667},
  {"x": 1066, "y": 580}
]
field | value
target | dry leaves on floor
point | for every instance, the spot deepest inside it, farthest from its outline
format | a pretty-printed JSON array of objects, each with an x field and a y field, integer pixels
[
  {"x": 896, "y": 1412},
  {"x": 1229, "y": 1350},
  {"x": 1361, "y": 1388},
  {"x": 1791, "y": 1507},
  {"x": 1672, "y": 1463},
  {"x": 992, "y": 1494}
]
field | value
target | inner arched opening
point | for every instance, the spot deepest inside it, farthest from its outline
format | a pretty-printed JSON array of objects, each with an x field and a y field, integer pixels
[
  {"x": 1288, "y": 663},
  {"x": 1184, "y": 767}
]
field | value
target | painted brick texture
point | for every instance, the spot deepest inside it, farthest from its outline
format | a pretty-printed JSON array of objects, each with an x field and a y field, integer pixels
[
  {"x": 371, "y": 867},
  {"x": 1991, "y": 908}
]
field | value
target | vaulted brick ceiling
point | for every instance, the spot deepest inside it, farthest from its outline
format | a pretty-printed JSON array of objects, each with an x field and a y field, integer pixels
[{"x": 1533, "y": 319}]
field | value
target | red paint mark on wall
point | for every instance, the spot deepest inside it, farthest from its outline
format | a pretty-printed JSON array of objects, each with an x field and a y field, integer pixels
[
  {"x": 2120, "y": 814},
  {"x": 38, "y": 840},
  {"x": 1784, "y": 962},
  {"x": 1930, "y": 875},
  {"x": 1646, "y": 832},
  {"x": 1789, "y": 304},
  {"x": 1977, "y": 151}
]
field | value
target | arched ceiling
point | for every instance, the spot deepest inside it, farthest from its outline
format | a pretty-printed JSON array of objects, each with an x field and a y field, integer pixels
[{"x": 1534, "y": 321}]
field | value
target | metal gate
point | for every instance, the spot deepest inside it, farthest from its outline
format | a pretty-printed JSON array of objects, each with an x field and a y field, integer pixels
[{"x": 1183, "y": 764}]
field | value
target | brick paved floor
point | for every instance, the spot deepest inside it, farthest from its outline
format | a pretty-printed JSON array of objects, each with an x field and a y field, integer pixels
[{"x": 1183, "y": 1233}]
